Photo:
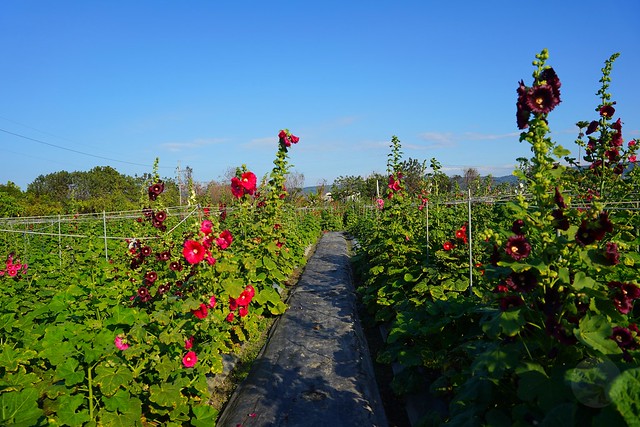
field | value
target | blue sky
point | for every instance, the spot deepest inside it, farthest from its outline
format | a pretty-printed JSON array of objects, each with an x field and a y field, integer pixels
[{"x": 208, "y": 84}]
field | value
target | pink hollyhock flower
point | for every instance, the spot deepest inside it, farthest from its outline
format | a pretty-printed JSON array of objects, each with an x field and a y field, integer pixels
[
  {"x": 193, "y": 252},
  {"x": 188, "y": 343},
  {"x": 210, "y": 259},
  {"x": 282, "y": 134},
  {"x": 121, "y": 343},
  {"x": 201, "y": 312},
  {"x": 190, "y": 359},
  {"x": 393, "y": 183},
  {"x": 243, "y": 311},
  {"x": 230, "y": 317},
  {"x": 380, "y": 203},
  {"x": 632, "y": 158},
  {"x": 206, "y": 227},
  {"x": 225, "y": 239},
  {"x": 212, "y": 301},
  {"x": 279, "y": 243},
  {"x": 294, "y": 139}
]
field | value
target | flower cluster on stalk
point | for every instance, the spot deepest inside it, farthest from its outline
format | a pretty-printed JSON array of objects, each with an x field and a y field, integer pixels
[
  {"x": 538, "y": 99},
  {"x": 13, "y": 268}
]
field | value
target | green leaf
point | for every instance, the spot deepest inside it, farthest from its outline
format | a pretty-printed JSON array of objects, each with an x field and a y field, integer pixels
[
  {"x": 20, "y": 408},
  {"x": 625, "y": 395},
  {"x": 167, "y": 395},
  {"x": 111, "y": 378},
  {"x": 205, "y": 416},
  {"x": 594, "y": 331},
  {"x": 11, "y": 358},
  {"x": 69, "y": 372},
  {"x": 68, "y": 410},
  {"x": 583, "y": 281}
]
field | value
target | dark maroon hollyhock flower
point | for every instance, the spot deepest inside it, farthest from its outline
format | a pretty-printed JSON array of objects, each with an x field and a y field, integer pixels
[
  {"x": 611, "y": 253},
  {"x": 630, "y": 290},
  {"x": 541, "y": 99},
  {"x": 164, "y": 256},
  {"x": 593, "y": 126},
  {"x": 591, "y": 146},
  {"x": 147, "y": 212},
  {"x": 617, "y": 125},
  {"x": 604, "y": 224},
  {"x": 617, "y": 140},
  {"x": 613, "y": 155},
  {"x": 618, "y": 169},
  {"x": 559, "y": 199},
  {"x": 163, "y": 289},
  {"x": 175, "y": 266},
  {"x": 518, "y": 226},
  {"x": 501, "y": 288},
  {"x": 557, "y": 331},
  {"x": 560, "y": 221},
  {"x": 160, "y": 216},
  {"x": 510, "y": 301},
  {"x": 549, "y": 75},
  {"x": 494, "y": 258},
  {"x": 584, "y": 236},
  {"x": 150, "y": 277},
  {"x": 144, "y": 294},
  {"x": 524, "y": 281},
  {"x": 607, "y": 111},
  {"x": 522, "y": 112},
  {"x": 518, "y": 247},
  {"x": 156, "y": 189},
  {"x": 146, "y": 251},
  {"x": 623, "y": 337}
]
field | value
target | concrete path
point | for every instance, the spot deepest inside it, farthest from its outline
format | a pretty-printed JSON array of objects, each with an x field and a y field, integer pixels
[{"x": 315, "y": 369}]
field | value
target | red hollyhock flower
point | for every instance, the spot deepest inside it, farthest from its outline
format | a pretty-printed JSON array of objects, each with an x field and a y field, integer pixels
[
  {"x": 236, "y": 188},
  {"x": 190, "y": 359},
  {"x": 201, "y": 312},
  {"x": 243, "y": 311},
  {"x": 294, "y": 139},
  {"x": 233, "y": 304},
  {"x": 250, "y": 290},
  {"x": 193, "y": 252},
  {"x": 230, "y": 317},
  {"x": 249, "y": 182},
  {"x": 225, "y": 239},
  {"x": 206, "y": 226},
  {"x": 541, "y": 99},
  {"x": 447, "y": 246}
]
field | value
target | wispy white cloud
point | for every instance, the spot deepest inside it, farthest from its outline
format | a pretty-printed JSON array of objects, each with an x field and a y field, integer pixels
[
  {"x": 476, "y": 136},
  {"x": 437, "y": 140},
  {"x": 188, "y": 145},
  {"x": 264, "y": 142}
]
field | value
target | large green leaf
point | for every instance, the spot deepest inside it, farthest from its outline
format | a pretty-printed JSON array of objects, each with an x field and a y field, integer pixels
[
  {"x": 111, "y": 378},
  {"x": 205, "y": 416},
  {"x": 68, "y": 413},
  {"x": 167, "y": 395},
  {"x": 20, "y": 408},
  {"x": 594, "y": 331},
  {"x": 69, "y": 372},
  {"x": 625, "y": 395}
]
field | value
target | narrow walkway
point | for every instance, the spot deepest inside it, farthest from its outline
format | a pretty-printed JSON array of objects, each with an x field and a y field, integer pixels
[{"x": 315, "y": 369}]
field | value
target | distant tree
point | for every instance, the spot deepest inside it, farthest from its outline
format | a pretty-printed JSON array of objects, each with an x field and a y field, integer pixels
[
  {"x": 438, "y": 183},
  {"x": 295, "y": 184},
  {"x": 345, "y": 187},
  {"x": 373, "y": 184},
  {"x": 413, "y": 172},
  {"x": 471, "y": 179}
]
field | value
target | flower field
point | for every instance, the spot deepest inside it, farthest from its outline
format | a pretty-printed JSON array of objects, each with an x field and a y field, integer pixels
[
  {"x": 513, "y": 309},
  {"x": 519, "y": 312},
  {"x": 122, "y": 323}
]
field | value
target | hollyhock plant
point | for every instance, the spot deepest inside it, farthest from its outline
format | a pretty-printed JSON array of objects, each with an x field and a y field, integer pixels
[
  {"x": 190, "y": 359},
  {"x": 206, "y": 226},
  {"x": 188, "y": 343},
  {"x": 225, "y": 239}
]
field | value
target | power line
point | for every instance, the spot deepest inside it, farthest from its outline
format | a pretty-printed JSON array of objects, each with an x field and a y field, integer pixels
[{"x": 77, "y": 151}]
